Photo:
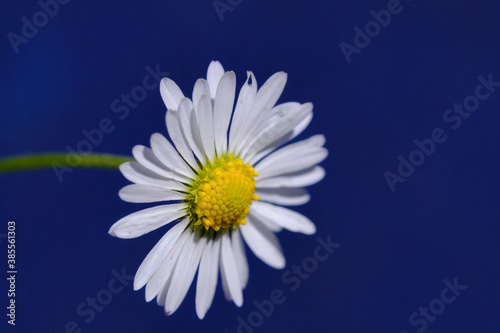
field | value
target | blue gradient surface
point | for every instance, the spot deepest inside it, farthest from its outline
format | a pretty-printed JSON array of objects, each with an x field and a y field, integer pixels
[{"x": 400, "y": 250}]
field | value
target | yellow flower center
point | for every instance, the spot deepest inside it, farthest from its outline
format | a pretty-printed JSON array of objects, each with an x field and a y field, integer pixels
[{"x": 221, "y": 194}]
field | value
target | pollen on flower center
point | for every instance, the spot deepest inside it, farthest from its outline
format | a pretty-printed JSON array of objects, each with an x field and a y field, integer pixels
[{"x": 221, "y": 194}]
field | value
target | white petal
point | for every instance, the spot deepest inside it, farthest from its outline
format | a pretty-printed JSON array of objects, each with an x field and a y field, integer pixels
[
  {"x": 160, "y": 281},
  {"x": 223, "y": 108},
  {"x": 139, "y": 174},
  {"x": 148, "y": 159},
  {"x": 263, "y": 242},
  {"x": 214, "y": 73},
  {"x": 201, "y": 88},
  {"x": 241, "y": 112},
  {"x": 240, "y": 257},
  {"x": 302, "y": 125},
  {"x": 282, "y": 120},
  {"x": 147, "y": 220},
  {"x": 292, "y": 158},
  {"x": 167, "y": 154},
  {"x": 170, "y": 93},
  {"x": 287, "y": 196},
  {"x": 264, "y": 101},
  {"x": 174, "y": 128},
  {"x": 229, "y": 272},
  {"x": 162, "y": 294},
  {"x": 190, "y": 132},
  {"x": 283, "y": 217},
  {"x": 302, "y": 178},
  {"x": 273, "y": 226},
  {"x": 195, "y": 130},
  {"x": 139, "y": 193},
  {"x": 288, "y": 137},
  {"x": 204, "y": 114},
  {"x": 184, "y": 272},
  {"x": 269, "y": 93},
  {"x": 225, "y": 288},
  {"x": 207, "y": 277},
  {"x": 157, "y": 256}
]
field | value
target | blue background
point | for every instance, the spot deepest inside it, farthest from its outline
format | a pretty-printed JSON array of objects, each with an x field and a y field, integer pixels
[{"x": 397, "y": 247}]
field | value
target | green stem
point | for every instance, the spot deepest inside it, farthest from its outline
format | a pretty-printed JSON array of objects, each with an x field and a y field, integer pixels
[{"x": 48, "y": 160}]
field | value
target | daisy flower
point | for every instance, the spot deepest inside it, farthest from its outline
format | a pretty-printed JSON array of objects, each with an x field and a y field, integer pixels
[{"x": 227, "y": 177}]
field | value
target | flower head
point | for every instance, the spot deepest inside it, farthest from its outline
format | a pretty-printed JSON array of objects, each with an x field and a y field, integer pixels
[{"x": 226, "y": 177}]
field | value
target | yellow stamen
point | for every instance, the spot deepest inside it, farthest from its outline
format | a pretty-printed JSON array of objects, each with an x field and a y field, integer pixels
[{"x": 220, "y": 196}]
